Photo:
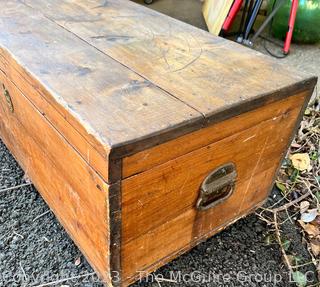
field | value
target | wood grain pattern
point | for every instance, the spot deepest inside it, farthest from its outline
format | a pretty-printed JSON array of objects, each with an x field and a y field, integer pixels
[
  {"x": 175, "y": 238},
  {"x": 179, "y": 234},
  {"x": 164, "y": 78},
  {"x": 110, "y": 103},
  {"x": 76, "y": 194},
  {"x": 159, "y": 154},
  {"x": 31, "y": 89},
  {"x": 141, "y": 274},
  {"x": 215, "y": 13},
  {"x": 208, "y": 73},
  {"x": 174, "y": 186}
]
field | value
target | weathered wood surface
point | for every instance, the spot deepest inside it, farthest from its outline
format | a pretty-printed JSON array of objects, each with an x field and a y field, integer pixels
[
  {"x": 108, "y": 101},
  {"x": 136, "y": 87},
  {"x": 72, "y": 189},
  {"x": 149, "y": 158},
  {"x": 215, "y": 13},
  {"x": 61, "y": 122},
  {"x": 159, "y": 203},
  {"x": 118, "y": 109},
  {"x": 168, "y": 183}
]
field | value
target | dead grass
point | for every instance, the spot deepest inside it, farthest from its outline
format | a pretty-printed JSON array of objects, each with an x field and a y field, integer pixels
[{"x": 299, "y": 183}]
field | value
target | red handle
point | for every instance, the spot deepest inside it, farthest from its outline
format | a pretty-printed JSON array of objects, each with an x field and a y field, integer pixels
[
  {"x": 292, "y": 20},
  {"x": 232, "y": 15}
]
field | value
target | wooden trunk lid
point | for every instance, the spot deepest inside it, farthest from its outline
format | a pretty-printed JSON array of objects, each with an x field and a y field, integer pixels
[{"x": 112, "y": 90}]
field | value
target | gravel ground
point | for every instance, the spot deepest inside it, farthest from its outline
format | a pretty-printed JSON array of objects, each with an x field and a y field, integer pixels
[{"x": 35, "y": 250}]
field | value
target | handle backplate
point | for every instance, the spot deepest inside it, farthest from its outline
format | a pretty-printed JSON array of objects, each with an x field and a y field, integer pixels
[{"x": 217, "y": 187}]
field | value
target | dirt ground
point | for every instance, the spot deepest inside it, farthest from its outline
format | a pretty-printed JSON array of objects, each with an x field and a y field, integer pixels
[{"x": 35, "y": 250}]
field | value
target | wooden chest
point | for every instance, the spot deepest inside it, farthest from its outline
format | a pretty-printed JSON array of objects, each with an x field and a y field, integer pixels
[{"x": 143, "y": 134}]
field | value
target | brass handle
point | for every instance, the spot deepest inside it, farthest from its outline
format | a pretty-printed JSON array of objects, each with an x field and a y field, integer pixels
[
  {"x": 217, "y": 187},
  {"x": 8, "y": 98}
]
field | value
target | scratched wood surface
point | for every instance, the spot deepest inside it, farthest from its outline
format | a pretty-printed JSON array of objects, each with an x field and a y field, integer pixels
[
  {"x": 163, "y": 76},
  {"x": 111, "y": 103},
  {"x": 152, "y": 157},
  {"x": 159, "y": 203},
  {"x": 72, "y": 189},
  {"x": 179, "y": 178},
  {"x": 28, "y": 87}
]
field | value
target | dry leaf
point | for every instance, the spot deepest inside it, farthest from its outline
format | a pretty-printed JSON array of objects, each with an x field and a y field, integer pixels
[
  {"x": 304, "y": 206},
  {"x": 301, "y": 161},
  {"x": 310, "y": 229},
  {"x": 317, "y": 221},
  {"x": 315, "y": 247},
  {"x": 78, "y": 261}
]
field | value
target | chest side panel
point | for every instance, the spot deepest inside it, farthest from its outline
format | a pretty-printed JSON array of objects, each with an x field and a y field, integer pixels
[
  {"x": 158, "y": 205},
  {"x": 72, "y": 189},
  {"x": 149, "y": 158},
  {"x": 61, "y": 121}
]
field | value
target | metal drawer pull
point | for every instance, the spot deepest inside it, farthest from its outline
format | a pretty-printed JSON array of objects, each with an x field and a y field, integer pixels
[
  {"x": 8, "y": 98},
  {"x": 217, "y": 187}
]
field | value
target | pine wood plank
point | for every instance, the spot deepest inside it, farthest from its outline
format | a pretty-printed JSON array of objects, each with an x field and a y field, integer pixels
[
  {"x": 76, "y": 194},
  {"x": 174, "y": 185},
  {"x": 176, "y": 237},
  {"x": 215, "y": 12},
  {"x": 217, "y": 77},
  {"x": 159, "y": 154},
  {"x": 102, "y": 99},
  {"x": 27, "y": 84}
]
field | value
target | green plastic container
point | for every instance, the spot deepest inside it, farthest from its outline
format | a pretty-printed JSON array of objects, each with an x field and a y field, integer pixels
[{"x": 307, "y": 26}]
